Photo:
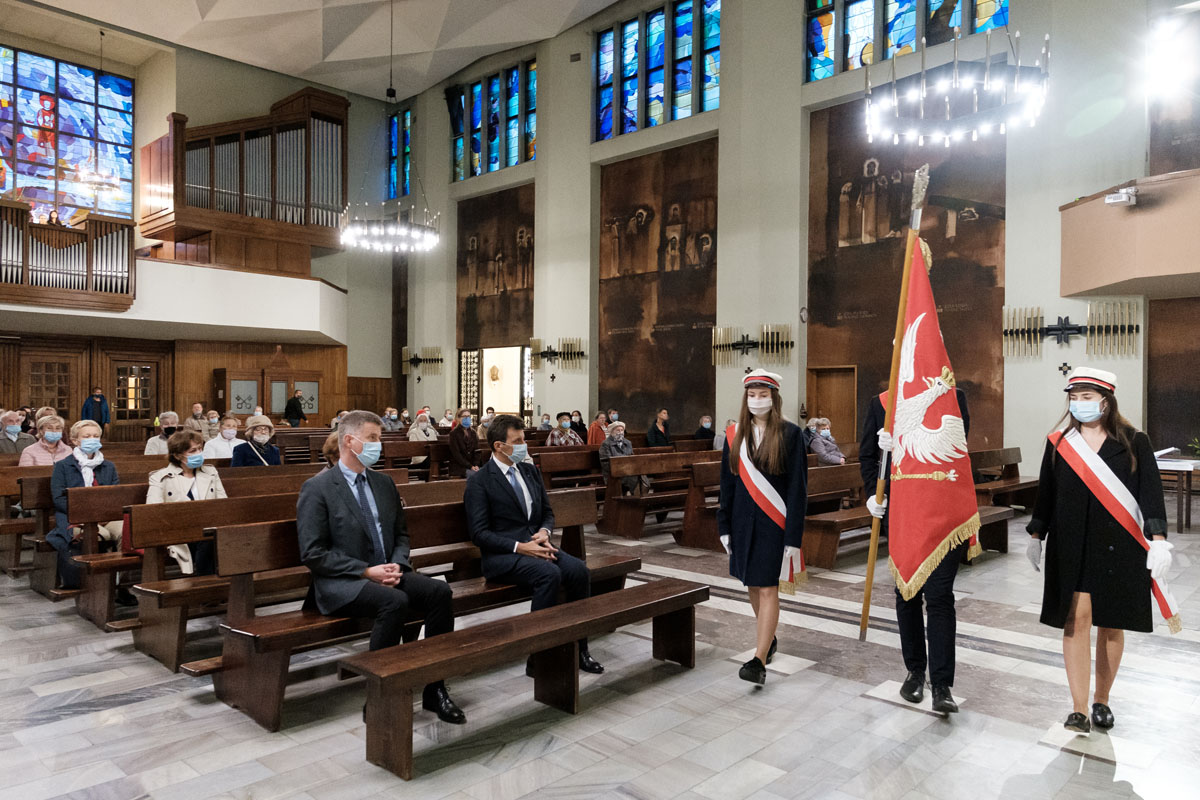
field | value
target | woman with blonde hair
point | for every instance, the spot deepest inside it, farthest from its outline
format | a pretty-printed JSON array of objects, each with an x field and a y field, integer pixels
[
  {"x": 50, "y": 447},
  {"x": 764, "y": 478},
  {"x": 87, "y": 468}
]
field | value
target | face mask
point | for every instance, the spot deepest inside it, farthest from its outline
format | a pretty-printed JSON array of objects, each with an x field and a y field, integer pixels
[
  {"x": 466, "y": 422},
  {"x": 1086, "y": 410},
  {"x": 195, "y": 460},
  {"x": 423, "y": 425},
  {"x": 52, "y": 437},
  {"x": 262, "y": 438},
  {"x": 545, "y": 419},
  {"x": 827, "y": 433},
  {"x": 759, "y": 405},
  {"x": 167, "y": 431},
  {"x": 214, "y": 419},
  {"x": 618, "y": 435},
  {"x": 615, "y": 416},
  {"x": 566, "y": 423},
  {"x": 574, "y": 419},
  {"x": 229, "y": 433},
  {"x": 97, "y": 395},
  {"x": 90, "y": 445},
  {"x": 706, "y": 425},
  {"x": 12, "y": 430},
  {"x": 405, "y": 415},
  {"x": 370, "y": 452},
  {"x": 520, "y": 452},
  {"x": 392, "y": 417}
]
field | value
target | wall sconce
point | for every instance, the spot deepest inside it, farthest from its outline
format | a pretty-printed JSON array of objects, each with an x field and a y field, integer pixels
[
  {"x": 569, "y": 354},
  {"x": 1112, "y": 328},
  {"x": 774, "y": 344},
  {"x": 430, "y": 359}
]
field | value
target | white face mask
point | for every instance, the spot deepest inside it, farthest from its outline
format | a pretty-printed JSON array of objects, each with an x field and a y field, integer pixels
[
  {"x": 262, "y": 438},
  {"x": 759, "y": 405},
  {"x": 423, "y": 425},
  {"x": 229, "y": 433}
]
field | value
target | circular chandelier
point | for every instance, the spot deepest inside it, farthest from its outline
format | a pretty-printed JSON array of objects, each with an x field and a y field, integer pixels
[{"x": 373, "y": 227}]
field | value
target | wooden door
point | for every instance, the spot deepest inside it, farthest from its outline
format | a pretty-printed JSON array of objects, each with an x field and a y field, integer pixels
[
  {"x": 53, "y": 377},
  {"x": 833, "y": 393}
]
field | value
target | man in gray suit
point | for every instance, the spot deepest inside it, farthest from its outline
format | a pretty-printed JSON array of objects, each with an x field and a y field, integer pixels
[{"x": 354, "y": 540}]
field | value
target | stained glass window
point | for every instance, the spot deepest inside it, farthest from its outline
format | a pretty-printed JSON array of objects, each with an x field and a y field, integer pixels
[
  {"x": 476, "y": 129},
  {"x": 457, "y": 109},
  {"x": 629, "y": 80},
  {"x": 57, "y": 120},
  {"x": 860, "y": 33},
  {"x": 944, "y": 17},
  {"x": 512, "y": 131},
  {"x": 531, "y": 111},
  {"x": 682, "y": 87},
  {"x": 656, "y": 33},
  {"x": 400, "y": 154},
  {"x": 493, "y": 124},
  {"x": 820, "y": 45},
  {"x": 604, "y": 86},
  {"x": 990, "y": 14},
  {"x": 712, "y": 54},
  {"x": 901, "y": 27}
]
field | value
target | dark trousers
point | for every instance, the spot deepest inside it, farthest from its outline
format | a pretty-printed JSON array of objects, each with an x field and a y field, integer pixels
[
  {"x": 204, "y": 558},
  {"x": 392, "y": 606},
  {"x": 938, "y": 594},
  {"x": 543, "y": 578},
  {"x": 295, "y": 423}
]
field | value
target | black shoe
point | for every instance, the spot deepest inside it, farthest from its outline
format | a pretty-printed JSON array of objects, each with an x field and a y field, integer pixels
[
  {"x": 1102, "y": 716},
  {"x": 754, "y": 671},
  {"x": 125, "y": 597},
  {"x": 943, "y": 701},
  {"x": 589, "y": 664},
  {"x": 913, "y": 688},
  {"x": 774, "y": 649},
  {"x": 438, "y": 701},
  {"x": 1078, "y": 722}
]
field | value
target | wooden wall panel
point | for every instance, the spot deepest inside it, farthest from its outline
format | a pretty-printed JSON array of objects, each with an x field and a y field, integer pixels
[
  {"x": 370, "y": 394},
  {"x": 262, "y": 254},
  {"x": 228, "y": 249},
  {"x": 1173, "y": 394},
  {"x": 10, "y": 376}
]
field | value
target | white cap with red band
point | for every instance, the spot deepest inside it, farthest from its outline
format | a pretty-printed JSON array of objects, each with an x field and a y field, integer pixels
[
  {"x": 1087, "y": 376},
  {"x": 760, "y": 377}
]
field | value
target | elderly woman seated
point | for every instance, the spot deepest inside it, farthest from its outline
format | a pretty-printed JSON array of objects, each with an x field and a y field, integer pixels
[
  {"x": 87, "y": 467},
  {"x": 50, "y": 447},
  {"x": 824, "y": 445},
  {"x": 226, "y": 440},
  {"x": 422, "y": 431},
  {"x": 616, "y": 445},
  {"x": 257, "y": 450},
  {"x": 168, "y": 423}
]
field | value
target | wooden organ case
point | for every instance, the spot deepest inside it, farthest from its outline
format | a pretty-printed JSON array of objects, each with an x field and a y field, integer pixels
[{"x": 256, "y": 194}]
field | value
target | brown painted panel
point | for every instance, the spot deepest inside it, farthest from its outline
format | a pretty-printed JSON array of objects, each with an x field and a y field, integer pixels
[
  {"x": 371, "y": 394},
  {"x": 1173, "y": 394},
  {"x": 262, "y": 254},
  {"x": 293, "y": 258},
  {"x": 228, "y": 249},
  {"x": 832, "y": 394},
  {"x": 658, "y": 294},
  {"x": 495, "y": 269}
]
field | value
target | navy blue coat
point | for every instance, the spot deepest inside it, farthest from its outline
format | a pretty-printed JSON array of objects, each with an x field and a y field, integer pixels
[
  {"x": 755, "y": 541},
  {"x": 244, "y": 456},
  {"x": 496, "y": 517},
  {"x": 68, "y": 475},
  {"x": 95, "y": 411}
]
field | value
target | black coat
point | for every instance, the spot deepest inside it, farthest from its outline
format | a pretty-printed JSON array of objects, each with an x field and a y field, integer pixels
[
  {"x": 294, "y": 409},
  {"x": 496, "y": 518},
  {"x": 464, "y": 443},
  {"x": 755, "y": 541},
  {"x": 657, "y": 438},
  {"x": 68, "y": 474},
  {"x": 1086, "y": 547}
]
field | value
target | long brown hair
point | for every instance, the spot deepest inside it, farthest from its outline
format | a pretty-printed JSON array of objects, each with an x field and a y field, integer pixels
[
  {"x": 1111, "y": 420},
  {"x": 769, "y": 456}
]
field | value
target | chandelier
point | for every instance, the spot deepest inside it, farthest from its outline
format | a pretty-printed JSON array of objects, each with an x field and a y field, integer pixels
[{"x": 964, "y": 100}]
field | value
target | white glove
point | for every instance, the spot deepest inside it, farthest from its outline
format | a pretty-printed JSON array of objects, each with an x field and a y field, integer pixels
[
  {"x": 1158, "y": 559},
  {"x": 877, "y": 510},
  {"x": 790, "y": 552},
  {"x": 885, "y": 440},
  {"x": 725, "y": 543},
  {"x": 1034, "y": 552}
]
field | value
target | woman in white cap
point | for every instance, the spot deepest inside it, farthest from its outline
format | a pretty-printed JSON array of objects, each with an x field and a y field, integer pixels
[
  {"x": 257, "y": 450},
  {"x": 764, "y": 475},
  {"x": 1100, "y": 508}
]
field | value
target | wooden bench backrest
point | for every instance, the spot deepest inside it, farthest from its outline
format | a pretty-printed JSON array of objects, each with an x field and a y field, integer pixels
[
  {"x": 433, "y": 492},
  {"x": 402, "y": 448},
  {"x": 995, "y": 459},
  {"x": 706, "y": 473},
  {"x": 833, "y": 479},
  {"x": 564, "y": 448},
  {"x": 657, "y": 464},
  {"x": 10, "y": 476},
  {"x": 692, "y": 445},
  {"x": 161, "y": 524},
  {"x": 568, "y": 459}
]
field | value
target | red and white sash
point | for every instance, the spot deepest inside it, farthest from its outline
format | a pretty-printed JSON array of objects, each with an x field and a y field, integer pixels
[
  {"x": 1117, "y": 501},
  {"x": 767, "y": 499}
]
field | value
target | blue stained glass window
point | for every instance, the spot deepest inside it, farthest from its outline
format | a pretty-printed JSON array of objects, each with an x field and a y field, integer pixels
[
  {"x": 75, "y": 194},
  {"x": 6, "y": 65},
  {"x": 531, "y": 111},
  {"x": 682, "y": 105},
  {"x": 514, "y": 91},
  {"x": 35, "y": 72},
  {"x": 531, "y": 136},
  {"x": 490, "y": 122},
  {"x": 116, "y": 92},
  {"x": 990, "y": 14},
  {"x": 35, "y": 144},
  {"x": 604, "y": 114},
  {"x": 30, "y": 108},
  {"x": 6, "y": 102},
  {"x": 78, "y": 83},
  {"x": 512, "y": 142},
  {"x": 656, "y": 35},
  {"x": 116, "y": 160},
  {"x": 476, "y": 106},
  {"x": 392, "y": 195},
  {"x": 629, "y": 50},
  {"x": 80, "y": 119},
  {"x": 712, "y": 24},
  {"x": 459, "y": 166},
  {"x": 476, "y": 129},
  {"x": 394, "y": 136},
  {"x": 114, "y": 126},
  {"x": 944, "y": 17},
  {"x": 683, "y": 89},
  {"x": 406, "y": 152},
  {"x": 901, "y": 27},
  {"x": 118, "y": 202},
  {"x": 654, "y": 98},
  {"x": 820, "y": 46},
  {"x": 456, "y": 120},
  {"x": 493, "y": 124},
  {"x": 629, "y": 105},
  {"x": 8, "y": 180},
  {"x": 860, "y": 33},
  {"x": 712, "y": 80},
  {"x": 73, "y": 150},
  {"x": 604, "y": 70}
]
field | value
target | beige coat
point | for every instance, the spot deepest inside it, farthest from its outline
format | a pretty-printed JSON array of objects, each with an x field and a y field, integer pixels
[{"x": 168, "y": 485}]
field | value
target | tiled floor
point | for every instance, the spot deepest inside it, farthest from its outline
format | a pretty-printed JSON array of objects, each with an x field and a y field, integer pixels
[{"x": 83, "y": 715}]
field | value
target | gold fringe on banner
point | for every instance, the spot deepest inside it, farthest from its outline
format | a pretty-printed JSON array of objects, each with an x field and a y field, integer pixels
[{"x": 909, "y": 589}]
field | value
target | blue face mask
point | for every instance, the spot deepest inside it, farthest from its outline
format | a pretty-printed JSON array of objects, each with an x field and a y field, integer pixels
[
  {"x": 90, "y": 445},
  {"x": 12, "y": 430},
  {"x": 566, "y": 423},
  {"x": 1086, "y": 410},
  {"x": 706, "y": 425},
  {"x": 466, "y": 422},
  {"x": 53, "y": 437},
  {"x": 370, "y": 453},
  {"x": 195, "y": 460},
  {"x": 827, "y": 433},
  {"x": 520, "y": 453},
  {"x": 615, "y": 416}
]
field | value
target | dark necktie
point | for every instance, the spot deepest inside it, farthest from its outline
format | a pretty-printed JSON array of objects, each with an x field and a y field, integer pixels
[
  {"x": 513, "y": 479},
  {"x": 360, "y": 483}
]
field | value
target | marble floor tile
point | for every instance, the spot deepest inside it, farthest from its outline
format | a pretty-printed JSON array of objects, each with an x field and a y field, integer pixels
[
  {"x": 1100, "y": 746},
  {"x": 739, "y": 780}
]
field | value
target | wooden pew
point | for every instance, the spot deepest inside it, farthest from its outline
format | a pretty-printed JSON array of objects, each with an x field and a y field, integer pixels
[
  {"x": 700, "y": 508},
  {"x": 625, "y": 515},
  {"x": 569, "y": 466},
  {"x": 251, "y": 673},
  {"x": 998, "y": 480},
  {"x": 401, "y": 452},
  {"x": 691, "y": 445},
  {"x": 551, "y": 636}
]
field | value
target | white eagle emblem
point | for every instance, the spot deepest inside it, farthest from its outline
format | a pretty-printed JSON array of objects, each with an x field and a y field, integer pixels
[{"x": 912, "y": 437}]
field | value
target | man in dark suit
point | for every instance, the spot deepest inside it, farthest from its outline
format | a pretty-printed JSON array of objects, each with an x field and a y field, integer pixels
[
  {"x": 510, "y": 520},
  {"x": 354, "y": 540}
]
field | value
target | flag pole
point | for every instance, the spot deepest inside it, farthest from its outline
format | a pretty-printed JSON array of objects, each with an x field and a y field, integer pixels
[{"x": 920, "y": 184}]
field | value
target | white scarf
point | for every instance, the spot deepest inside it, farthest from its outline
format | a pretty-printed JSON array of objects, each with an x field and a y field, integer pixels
[{"x": 87, "y": 465}]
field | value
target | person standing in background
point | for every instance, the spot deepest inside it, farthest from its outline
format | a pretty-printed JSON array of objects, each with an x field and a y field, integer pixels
[
  {"x": 95, "y": 408},
  {"x": 293, "y": 412}
]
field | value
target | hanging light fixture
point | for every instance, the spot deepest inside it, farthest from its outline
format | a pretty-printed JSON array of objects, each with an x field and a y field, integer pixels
[
  {"x": 388, "y": 227},
  {"x": 962, "y": 101},
  {"x": 88, "y": 174}
]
